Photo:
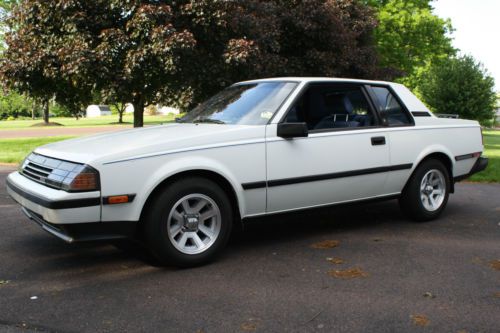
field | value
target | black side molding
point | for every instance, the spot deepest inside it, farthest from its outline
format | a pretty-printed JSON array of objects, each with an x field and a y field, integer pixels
[
  {"x": 62, "y": 204},
  {"x": 314, "y": 178},
  {"x": 467, "y": 156}
]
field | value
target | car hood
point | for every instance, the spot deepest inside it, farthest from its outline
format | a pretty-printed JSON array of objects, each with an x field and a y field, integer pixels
[{"x": 109, "y": 147}]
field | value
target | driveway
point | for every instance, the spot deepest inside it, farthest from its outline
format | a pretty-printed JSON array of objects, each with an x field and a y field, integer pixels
[{"x": 377, "y": 272}]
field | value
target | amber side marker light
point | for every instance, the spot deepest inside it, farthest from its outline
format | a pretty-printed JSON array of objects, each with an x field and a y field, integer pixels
[{"x": 118, "y": 199}]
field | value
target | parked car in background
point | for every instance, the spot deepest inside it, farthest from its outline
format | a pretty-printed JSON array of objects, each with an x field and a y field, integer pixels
[{"x": 257, "y": 148}]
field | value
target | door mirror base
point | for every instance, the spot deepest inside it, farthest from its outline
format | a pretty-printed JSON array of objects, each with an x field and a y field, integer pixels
[{"x": 293, "y": 130}]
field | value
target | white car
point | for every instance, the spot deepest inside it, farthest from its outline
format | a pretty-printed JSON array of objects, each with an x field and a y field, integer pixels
[{"x": 257, "y": 148}]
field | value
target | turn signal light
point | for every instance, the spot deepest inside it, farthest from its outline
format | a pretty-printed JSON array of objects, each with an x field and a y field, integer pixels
[{"x": 118, "y": 199}]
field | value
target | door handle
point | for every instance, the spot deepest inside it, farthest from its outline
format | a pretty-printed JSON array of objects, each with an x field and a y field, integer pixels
[{"x": 378, "y": 141}]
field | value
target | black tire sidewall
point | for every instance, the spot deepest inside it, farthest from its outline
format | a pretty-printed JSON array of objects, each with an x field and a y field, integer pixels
[
  {"x": 156, "y": 221},
  {"x": 411, "y": 201}
]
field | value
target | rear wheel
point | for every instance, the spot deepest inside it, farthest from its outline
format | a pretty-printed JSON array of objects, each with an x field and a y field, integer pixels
[
  {"x": 189, "y": 223},
  {"x": 426, "y": 194}
]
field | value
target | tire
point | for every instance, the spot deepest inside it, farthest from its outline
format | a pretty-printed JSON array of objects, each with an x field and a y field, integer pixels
[
  {"x": 189, "y": 222},
  {"x": 426, "y": 193}
]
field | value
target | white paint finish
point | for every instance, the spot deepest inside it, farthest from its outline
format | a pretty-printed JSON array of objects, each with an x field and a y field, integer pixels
[
  {"x": 136, "y": 161},
  {"x": 243, "y": 163},
  {"x": 323, "y": 153},
  {"x": 411, "y": 101}
]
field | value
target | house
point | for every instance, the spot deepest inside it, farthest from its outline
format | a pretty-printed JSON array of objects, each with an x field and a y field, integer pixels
[
  {"x": 158, "y": 109},
  {"x": 97, "y": 111},
  {"x": 497, "y": 116}
]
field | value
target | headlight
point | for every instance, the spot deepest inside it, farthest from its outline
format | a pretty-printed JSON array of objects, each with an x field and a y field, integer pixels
[
  {"x": 59, "y": 174},
  {"x": 85, "y": 180}
]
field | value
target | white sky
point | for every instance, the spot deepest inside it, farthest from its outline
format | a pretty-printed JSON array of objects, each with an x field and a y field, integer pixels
[{"x": 477, "y": 30}]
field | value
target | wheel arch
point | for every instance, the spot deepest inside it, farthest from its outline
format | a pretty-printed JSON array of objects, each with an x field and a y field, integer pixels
[
  {"x": 216, "y": 177},
  {"x": 441, "y": 156}
]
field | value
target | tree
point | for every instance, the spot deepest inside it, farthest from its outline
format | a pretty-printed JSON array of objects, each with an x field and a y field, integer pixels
[
  {"x": 410, "y": 37},
  {"x": 181, "y": 51},
  {"x": 240, "y": 40},
  {"x": 45, "y": 57},
  {"x": 459, "y": 85}
]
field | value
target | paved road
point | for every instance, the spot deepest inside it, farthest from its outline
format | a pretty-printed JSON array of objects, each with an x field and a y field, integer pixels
[
  {"x": 58, "y": 131},
  {"x": 433, "y": 277}
]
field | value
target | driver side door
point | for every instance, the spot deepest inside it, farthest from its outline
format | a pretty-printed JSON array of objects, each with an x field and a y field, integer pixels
[{"x": 345, "y": 156}]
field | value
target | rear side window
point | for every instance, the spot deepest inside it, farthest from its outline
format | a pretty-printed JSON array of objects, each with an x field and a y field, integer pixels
[{"x": 390, "y": 108}]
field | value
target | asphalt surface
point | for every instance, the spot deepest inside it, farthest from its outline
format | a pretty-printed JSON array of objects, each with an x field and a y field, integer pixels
[{"x": 441, "y": 276}]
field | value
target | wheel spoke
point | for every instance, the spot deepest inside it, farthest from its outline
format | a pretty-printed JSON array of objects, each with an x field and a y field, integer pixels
[
  {"x": 208, "y": 214},
  {"x": 199, "y": 206},
  {"x": 197, "y": 240},
  {"x": 437, "y": 191},
  {"x": 206, "y": 231},
  {"x": 177, "y": 216},
  {"x": 432, "y": 201},
  {"x": 186, "y": 207},
  {"x": 175, "y": 229},
  {"x": 183, "y": 240}
]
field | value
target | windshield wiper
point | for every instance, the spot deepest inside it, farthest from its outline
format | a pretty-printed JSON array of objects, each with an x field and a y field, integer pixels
[{"x": 208, "y": 120}]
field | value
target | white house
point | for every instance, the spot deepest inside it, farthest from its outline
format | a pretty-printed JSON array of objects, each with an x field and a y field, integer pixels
[
  {"x": 160, "y": 109},
  {"x": 97, "y": 111}
]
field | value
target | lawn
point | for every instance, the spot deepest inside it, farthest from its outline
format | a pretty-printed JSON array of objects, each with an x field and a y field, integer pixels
[
  {"x": 87, "y": 122},
  {"x": 492, "y": 151},
  {"x": 14, "y": 150}
]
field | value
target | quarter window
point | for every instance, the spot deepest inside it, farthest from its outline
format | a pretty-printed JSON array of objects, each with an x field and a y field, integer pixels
[{"x": 390, "y": 108}]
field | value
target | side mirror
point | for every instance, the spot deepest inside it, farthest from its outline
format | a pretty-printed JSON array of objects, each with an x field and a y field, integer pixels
[{"x": 293, "y": 130}]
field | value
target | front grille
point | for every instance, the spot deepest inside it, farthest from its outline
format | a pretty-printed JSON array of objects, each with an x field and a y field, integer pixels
[{"x": 49, "y": 171}]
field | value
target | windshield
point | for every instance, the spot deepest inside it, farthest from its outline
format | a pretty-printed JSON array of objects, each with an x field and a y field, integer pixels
[{"x": 242, "y": 104}]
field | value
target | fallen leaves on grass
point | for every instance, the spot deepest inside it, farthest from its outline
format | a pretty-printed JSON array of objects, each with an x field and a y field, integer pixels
[
  {"x": 326, "y": 244},
  {"x": 495, "y": 264},
  {"x": 336, "y": 261},
  {"x": 350, "y": 273},
  {"x": 420, "y": 320}
]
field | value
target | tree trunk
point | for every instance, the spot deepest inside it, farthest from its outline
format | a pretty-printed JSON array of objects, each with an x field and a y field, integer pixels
[
  {"x": 46, "y": 111},
  {"x": 33, "y": 110},
  {"x": 121, "y": 109},
  {"x": 138, "y": 113}
]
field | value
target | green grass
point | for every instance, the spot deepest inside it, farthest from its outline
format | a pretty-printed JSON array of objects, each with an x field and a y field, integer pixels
[
  {"x": 15, "y": 150},
  {"x": 86, "y": 122},
  {"x": 492, "y": 151}
]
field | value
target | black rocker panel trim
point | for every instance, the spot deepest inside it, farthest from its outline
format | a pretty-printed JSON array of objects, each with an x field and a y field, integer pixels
[{"x": 314, "y": 178}]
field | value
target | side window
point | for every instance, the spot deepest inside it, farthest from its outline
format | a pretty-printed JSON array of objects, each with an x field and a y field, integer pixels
[
  {"x": 390, "y": 107},
  {"x": 326, "y": 106}
]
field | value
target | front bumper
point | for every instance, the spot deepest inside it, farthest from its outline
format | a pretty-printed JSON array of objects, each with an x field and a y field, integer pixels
[
  {"x": 55, "y": 206},
  {"x": 71, "y": 217},
  {"x": 85, "y": 232}
]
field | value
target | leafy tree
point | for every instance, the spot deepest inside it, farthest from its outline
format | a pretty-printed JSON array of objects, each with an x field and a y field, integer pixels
[
  {"x": 459, "y": 85},
  {"x": 15, "y": 105},
  {"x": 410, "y": 37},
  {"x": 239, "y": 40},
  {"x": 181, "y": 51}
]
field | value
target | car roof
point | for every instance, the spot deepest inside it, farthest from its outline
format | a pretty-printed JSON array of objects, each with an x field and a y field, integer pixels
[{"x": 319, "y": 79}]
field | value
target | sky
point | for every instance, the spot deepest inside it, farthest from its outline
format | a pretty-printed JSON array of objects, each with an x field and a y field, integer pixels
[{"x": 477, "y": 30}]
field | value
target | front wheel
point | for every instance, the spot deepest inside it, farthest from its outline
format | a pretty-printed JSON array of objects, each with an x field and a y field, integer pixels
[
  {"x": 426, "y": 194},
  {"x": 189, "y": 223}
]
